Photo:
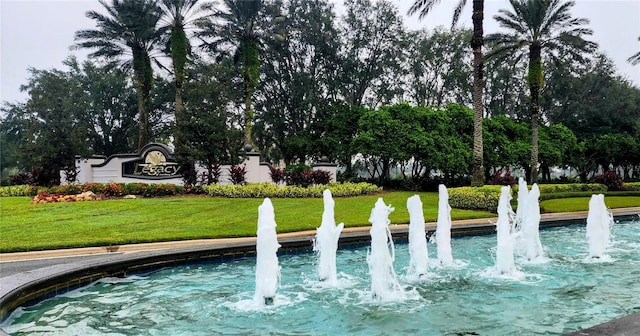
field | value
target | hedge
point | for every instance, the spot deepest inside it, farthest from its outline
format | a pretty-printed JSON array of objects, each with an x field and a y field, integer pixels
[
  {"x": 266, "y": 189},
  {"x": 631, "y": 186},
  {"x": 569, "y": 187},
  {"x": 475, "y": 198},
  {"x": 487, "y": 197},
  {"x": 106, "y": 189}
]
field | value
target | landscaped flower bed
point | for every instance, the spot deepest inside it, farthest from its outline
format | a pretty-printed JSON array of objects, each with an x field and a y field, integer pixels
[{"x": 53, "y": 198}]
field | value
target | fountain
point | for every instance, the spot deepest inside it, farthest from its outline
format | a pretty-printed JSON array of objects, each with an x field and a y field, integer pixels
[
  {"x": 326, "y": 242},
  {"x": 417, "y": 239},
  {"x": 267, "y": 268},
  {"x": 599, "y": 221},
  {"x": 523, "y": 193},
  {"x": 530, "y": 229},
  {"x": 505, "y": 264},
  {"x": 210, "y": 297},
  {"x": 443, "y": 229},
  {"x": 384, "y": 282}
]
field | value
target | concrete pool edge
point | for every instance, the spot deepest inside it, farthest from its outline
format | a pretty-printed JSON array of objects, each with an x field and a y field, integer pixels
[{"x": 58, "y": 275}]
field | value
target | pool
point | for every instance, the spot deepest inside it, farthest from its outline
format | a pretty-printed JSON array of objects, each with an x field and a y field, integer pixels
[{"x": 566, "y": 293}]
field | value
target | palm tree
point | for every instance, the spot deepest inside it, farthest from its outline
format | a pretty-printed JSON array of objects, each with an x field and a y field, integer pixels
[
  {"x": 536, "y": 26},
  {"x": 126, "y": 37},
  {"x": 424, "y": 6},
  {"x": 179, "y": 16},
  {"x": 242, "y": 28},
  {"x": 635, "y": 59}
]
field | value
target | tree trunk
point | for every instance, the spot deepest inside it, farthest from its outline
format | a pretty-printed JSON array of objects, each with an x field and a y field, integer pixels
[
  {"x": 143, "y": 77},
  {"x": 248, "y": 117},
  {"x": 535, "y": 83},
  {"x": 478, "y": 86},
  {"x": 179, "y": 48},
  {"x": 251, "y": 74}
]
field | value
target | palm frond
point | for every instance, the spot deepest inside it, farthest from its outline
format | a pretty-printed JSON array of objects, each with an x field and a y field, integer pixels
[
  {"x": 422, "y": 6},
  {"x": 635, "y": 59}
]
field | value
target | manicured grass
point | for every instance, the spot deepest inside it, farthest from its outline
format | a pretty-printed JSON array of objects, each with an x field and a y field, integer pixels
[
  {"x": 582, "y": 203},
  {"x": 25, "y": 226}
]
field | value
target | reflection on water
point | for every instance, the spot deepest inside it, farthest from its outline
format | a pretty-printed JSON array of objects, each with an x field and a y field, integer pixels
[{"x": 564, "y": 294}]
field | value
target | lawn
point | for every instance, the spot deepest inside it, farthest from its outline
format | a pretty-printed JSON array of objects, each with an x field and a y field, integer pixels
[
  {"x": 25, "y": 226},
  {"x": 582, "y": 203}
]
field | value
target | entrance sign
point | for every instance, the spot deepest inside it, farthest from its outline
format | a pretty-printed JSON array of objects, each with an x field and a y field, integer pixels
[{"x": 155, "y": 163}]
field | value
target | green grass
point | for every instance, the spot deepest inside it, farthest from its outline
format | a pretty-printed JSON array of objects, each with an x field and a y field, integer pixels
[
  {"x": 25, "y": 226},
  {"x": 582, "y": 203}
]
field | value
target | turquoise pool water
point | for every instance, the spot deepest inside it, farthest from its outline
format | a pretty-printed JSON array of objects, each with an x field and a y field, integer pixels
[{"x": 566, "y": 293}]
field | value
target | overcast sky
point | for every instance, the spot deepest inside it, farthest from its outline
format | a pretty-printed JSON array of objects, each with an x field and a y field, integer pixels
[{"x": 38, "y": 33}]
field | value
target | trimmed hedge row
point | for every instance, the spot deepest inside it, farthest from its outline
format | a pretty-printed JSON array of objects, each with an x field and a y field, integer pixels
[
  {"x": 106, "y": 189},
  {"x": 487, "y": 197},
  {"x": 475, "y": 198},
  {"x": 631, "y": 186},
  {"x": 251, "y": 190},
  {"x": 266, "y": 189},
  {"x": 20, "y": 190},
  {"x": 573, "y": 187}
]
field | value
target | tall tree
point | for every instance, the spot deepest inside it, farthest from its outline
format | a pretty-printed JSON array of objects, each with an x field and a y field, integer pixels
[
  {"x": 243, "y": 28},
  {"x": 127, "y": 36},
  {"x": 372, "y": 51},
  {"x": 439, "y": 67},
  {"x": 295, "y": 94},
  {"x": 49, "y": 128},
  {"x": 179, "y": 17},
  {"x": 110, "y": 112},
  {"x": 477, "y": 16},
  {"x": 537, "y": 25}
]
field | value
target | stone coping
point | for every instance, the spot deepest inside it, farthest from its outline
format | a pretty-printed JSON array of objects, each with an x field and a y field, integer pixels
[{"x": 42, "y": 274}]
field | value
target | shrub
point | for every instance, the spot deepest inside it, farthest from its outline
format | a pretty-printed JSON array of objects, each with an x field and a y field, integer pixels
[
  {"x": 113, "y": 189},
  {"x": 573, "y": 187},
  {"x": 22, "y": 178},
  {"x": 18, "y": 190},
  {"x": 238, "y": 174},
  {"x": 500, "y": 178},
  {"x": 134, "y": 188},
  {"x": 161, "y": 189},
  {"x": 611, "y": 179},
  {"x": 632, "y": 186},
  {"x": 482, "y": 198},
  {"x": 66, "y": 189},
  {"x": 211, "y": 175},
  {"x": 266, "y": 189},
  {"x": 321, "y": 177},
  {"x": 93, "y": 187},
  {"x": 277, "y": 175},
  {"x": 299, "y": 178}
]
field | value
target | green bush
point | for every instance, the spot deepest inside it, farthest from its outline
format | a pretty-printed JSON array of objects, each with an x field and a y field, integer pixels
[
  {"x": 472, "y": 198},
  {"x": 18, "y": 190},
  {"x": 631, "y": 186},
  {"x": 266, "y": 189},
  {"x": 66, "y": 189},
  {"x": 107, "y": 189},
  {"x": 570, "y": 187}
]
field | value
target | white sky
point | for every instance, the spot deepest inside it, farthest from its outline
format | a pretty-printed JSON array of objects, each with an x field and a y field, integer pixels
[{"x": 38, "y": 33}]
